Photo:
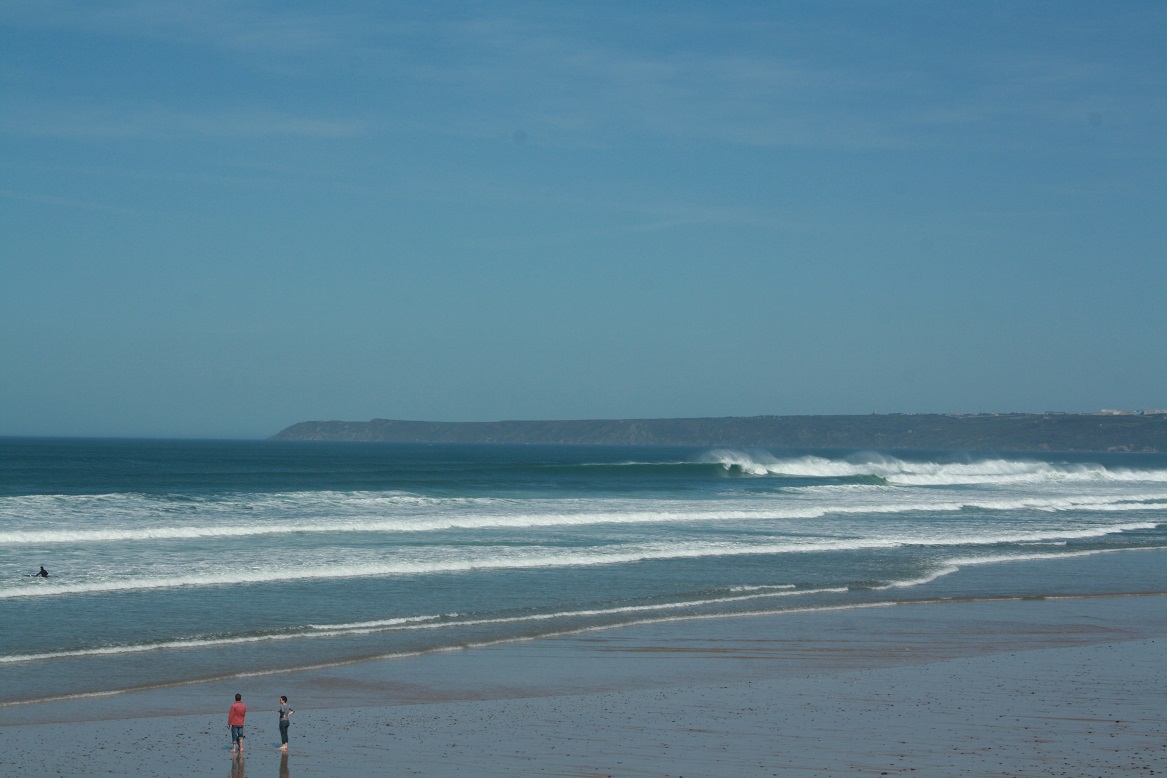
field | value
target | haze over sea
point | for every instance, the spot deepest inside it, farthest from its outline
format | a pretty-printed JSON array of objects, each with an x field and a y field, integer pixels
[{"x": 179, "y": 561}]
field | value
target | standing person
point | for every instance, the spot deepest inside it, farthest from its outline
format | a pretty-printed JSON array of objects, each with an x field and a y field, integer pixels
[
  {"x": 235, "y": 718},
  {"x": 285, "y": 715}
]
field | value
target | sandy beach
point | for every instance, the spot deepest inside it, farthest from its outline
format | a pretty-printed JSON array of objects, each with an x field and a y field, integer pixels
[{"x": 1017, "y": 687}]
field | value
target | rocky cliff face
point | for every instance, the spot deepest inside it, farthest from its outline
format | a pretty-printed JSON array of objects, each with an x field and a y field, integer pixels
[{"x": 986, "y": 432}]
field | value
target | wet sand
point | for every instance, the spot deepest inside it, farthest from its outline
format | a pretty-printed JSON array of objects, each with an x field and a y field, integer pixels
[{"x": 1018, "y": 687}]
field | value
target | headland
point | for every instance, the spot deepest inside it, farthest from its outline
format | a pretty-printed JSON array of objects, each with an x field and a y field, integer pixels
[{"x": 1069, "y": 432}]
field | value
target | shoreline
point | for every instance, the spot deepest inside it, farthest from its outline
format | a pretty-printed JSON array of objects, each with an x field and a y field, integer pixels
[
  {"x": 245, "y": 678},
  {"x": 1094, "y": 574},
  {"x": 943, "y": 683},
  {"x": 1022, "y": 686}
]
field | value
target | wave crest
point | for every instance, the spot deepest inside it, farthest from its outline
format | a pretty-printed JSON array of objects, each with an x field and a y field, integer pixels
[{"x": 896, "y": 471}]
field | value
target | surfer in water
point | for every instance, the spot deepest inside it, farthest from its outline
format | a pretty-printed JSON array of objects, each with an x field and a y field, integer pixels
[{"x": 42, "y": 574}]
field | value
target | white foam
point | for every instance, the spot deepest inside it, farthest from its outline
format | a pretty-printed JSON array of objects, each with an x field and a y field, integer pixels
[
  {"x": 900, "y": 471},
  {"x": 498, "y": 514},
  {"x": 951, "y": 566},
  {"x": 455, "y": 560},
  {"x": 939, "y": 572},
  {"x": 382, "y": 622},
  {"x": 993, "y": 559},
  {"x": 502, "y": 559}
]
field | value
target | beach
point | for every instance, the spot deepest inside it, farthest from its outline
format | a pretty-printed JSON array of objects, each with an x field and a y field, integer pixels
[
  {"x": 1011, "y": 687},
  {"x": 578, "y": 611}
]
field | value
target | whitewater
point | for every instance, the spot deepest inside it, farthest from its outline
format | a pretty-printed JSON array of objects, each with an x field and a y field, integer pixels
[{"x": 172, "y": 562}]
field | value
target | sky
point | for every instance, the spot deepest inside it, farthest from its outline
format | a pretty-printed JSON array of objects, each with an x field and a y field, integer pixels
[{"x": 220, "y": 218}]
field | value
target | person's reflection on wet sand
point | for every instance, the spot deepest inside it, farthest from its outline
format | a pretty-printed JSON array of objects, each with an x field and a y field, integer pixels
[
  {"x": 284, "y": 765},
  {"x": 237, "y": 766}
]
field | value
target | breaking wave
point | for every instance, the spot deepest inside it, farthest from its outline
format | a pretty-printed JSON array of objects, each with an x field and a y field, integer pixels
[
  {"x": 370, "y": 513},
  {"x": 446, "y": 560},
  {"x": 894, "y": 470}
]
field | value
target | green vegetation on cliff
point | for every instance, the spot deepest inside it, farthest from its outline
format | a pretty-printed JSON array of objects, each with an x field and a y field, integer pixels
[{"x": 981, "y": 432}]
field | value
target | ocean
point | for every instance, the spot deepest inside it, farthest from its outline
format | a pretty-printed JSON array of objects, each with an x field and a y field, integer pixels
[{"x": 177, "y": 561}]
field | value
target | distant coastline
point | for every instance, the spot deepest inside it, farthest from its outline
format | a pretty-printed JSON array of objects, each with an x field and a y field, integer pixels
[{"x": 1069, "y": 432}]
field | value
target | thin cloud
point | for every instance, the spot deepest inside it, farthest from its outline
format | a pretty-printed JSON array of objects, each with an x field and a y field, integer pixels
[
  {"x": 66, "y": 202},
  {"x": 569, "y": 81},
  {"x": 222, "y": 23},
  {"x": 68, "y": 121}
]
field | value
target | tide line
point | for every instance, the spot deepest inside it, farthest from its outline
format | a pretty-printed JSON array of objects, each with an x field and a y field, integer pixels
[
  {"x": 436, "y": 622},
  {"x": 575, "y": 631}
]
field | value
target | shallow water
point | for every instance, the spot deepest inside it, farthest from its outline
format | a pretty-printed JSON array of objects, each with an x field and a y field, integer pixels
[{"x": 174, "y": 561}]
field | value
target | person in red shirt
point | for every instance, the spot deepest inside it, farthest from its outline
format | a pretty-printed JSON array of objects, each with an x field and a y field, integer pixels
[{"x": 235, "y": 722}]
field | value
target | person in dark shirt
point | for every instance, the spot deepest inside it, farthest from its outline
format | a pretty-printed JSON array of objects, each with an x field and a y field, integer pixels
[
  {"x": 43, "y": 573},
  {"x": 285, "y": 715}
]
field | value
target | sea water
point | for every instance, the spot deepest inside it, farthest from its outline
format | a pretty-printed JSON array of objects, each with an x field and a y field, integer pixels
[{"x": 177, "y": 561}]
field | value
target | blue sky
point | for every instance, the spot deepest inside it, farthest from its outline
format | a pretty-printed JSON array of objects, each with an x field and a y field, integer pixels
[{"x": 220, "y": 218}]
